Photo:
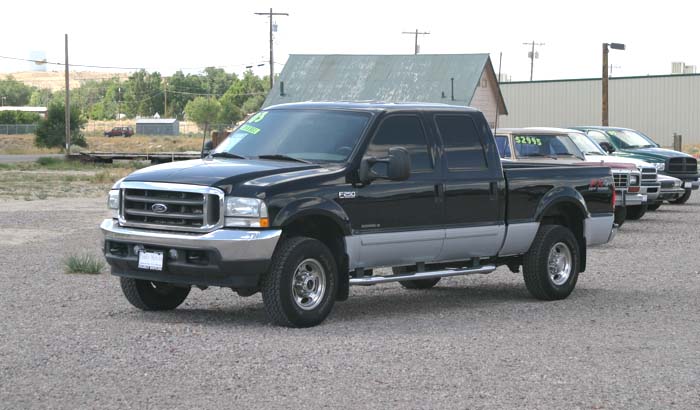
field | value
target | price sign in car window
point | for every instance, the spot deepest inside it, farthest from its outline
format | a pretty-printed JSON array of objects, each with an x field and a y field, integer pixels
[{"x": 527, "y": 140}]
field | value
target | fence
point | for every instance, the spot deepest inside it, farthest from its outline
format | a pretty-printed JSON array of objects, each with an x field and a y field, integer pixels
[{"x": 12, "y": 129}]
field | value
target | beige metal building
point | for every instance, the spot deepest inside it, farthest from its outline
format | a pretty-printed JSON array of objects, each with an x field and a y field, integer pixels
[{"x": 656, "y": 105}]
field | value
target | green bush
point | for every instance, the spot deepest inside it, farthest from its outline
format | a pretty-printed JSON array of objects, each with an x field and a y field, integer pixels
[
  {"x": 84, "y": 264},
  {"x": 48, "y": 161},
  {"x": 51, "y": 132}
]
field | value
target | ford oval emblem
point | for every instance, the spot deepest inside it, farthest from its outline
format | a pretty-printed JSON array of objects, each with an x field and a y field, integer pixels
[{"x": 159, "y": 208}]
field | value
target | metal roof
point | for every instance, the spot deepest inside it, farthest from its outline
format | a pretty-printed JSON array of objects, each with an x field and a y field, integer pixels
[
  {"x": 156, "y": 120},
  {"x": 390, "y": 78},
  {"x": 24, "y": 109}
]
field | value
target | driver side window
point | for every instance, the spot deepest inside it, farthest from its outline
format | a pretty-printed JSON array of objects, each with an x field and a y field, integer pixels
[{"x": 402, "y": 131}]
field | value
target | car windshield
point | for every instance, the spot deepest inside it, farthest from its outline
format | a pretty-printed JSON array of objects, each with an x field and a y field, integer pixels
[
  {"x": 293, "y": 134},
  {"x": 536, "y": 145},
  {"x": 585, "y": 144},
  {"x": 630, "y": 139}
]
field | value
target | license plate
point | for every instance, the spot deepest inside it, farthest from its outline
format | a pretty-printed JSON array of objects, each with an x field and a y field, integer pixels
[
  {"x": 151, "y": 260},
  {"x": 688, "y": 185}
]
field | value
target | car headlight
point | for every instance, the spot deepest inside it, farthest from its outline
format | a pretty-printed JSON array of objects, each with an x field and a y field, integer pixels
[
  {"x": 113, "y": 202},
  {"x": 245, "y": 213},
  {"x": 634, "y": 180},
  {"x": 660, "y": 166}
]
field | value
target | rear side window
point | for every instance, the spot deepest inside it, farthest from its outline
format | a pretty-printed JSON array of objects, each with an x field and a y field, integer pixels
[
  {"x": 597, "y": 136},
  {"x": 463, "y": 147},
  {"x": 503, "y": 146},
  {"x": 402, "y": 131}
]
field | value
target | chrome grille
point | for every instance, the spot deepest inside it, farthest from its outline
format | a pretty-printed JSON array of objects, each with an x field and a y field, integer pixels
[
  {"x": 621, "y": 180},
  {"x": 649, "y": 174},
  {"x": 682, "y": 165},
  {"x": 173, "y": 207}
]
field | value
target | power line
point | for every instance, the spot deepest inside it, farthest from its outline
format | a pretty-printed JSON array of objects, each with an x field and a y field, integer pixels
[{"x": 41, "y": 62}]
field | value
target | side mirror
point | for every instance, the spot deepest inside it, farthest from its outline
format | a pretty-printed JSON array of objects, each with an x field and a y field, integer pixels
[
  {"x": 398, "y": 166},
  {"x": 206, "y": 148},
  {"x": 607, "y": 147}
]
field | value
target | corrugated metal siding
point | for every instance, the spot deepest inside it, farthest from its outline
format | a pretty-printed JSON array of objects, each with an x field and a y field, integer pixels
[{"x": 657, "y": 106}]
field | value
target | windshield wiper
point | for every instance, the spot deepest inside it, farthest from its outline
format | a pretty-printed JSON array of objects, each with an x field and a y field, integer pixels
[
  {"x": 225, "y": 154},
  {"x": 283, "y": 158}
]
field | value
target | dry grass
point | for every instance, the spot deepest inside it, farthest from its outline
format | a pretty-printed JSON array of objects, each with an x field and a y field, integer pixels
[
  {"x": 60, "y": 179},
  {"x": 24, "y": 144}
]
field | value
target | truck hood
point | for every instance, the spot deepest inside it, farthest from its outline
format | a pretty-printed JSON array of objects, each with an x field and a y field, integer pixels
[
  {"x": 618, "y": 159},
  {"x": 216, "y": 172},
  {"x": 650, "y": 154}
]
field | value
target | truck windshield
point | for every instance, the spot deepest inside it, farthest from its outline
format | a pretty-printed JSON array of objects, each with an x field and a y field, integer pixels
[
  {"x": 307, "y": 135},
  {"x": 550, "y": 146},
  {"x": 585, "y": 144},
  {"x": 630, "y": 139}
]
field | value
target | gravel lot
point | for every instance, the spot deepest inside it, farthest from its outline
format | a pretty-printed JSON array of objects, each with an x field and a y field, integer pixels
[{"x": 628, "y": 337}]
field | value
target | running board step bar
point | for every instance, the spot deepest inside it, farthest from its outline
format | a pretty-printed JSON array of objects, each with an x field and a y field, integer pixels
[{"x": 373, "y": 280}]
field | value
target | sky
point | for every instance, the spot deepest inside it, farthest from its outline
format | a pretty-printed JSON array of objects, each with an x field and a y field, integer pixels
[{"x": 166, "y": 36}]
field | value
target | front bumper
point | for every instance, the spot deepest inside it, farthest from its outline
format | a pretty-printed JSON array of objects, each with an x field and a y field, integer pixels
[
  {"x": 225, "y": 257},
  {"x": 634, "y": 199},
  {"x": 652, "y": 191}
]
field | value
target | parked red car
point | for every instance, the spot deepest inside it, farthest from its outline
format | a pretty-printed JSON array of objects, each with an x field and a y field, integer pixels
[{"x": 120, "y": 132}]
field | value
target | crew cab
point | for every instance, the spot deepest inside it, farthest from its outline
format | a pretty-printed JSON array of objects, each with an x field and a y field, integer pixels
[
  {"x": 303, "y": 200},
  {"x": 630, "y": 143},
  {"x": 120, "y": 132},
  {"x": 557, "y": 145}
]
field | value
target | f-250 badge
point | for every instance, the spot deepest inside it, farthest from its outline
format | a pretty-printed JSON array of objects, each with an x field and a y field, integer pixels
[{"x": 347, "y": 195}]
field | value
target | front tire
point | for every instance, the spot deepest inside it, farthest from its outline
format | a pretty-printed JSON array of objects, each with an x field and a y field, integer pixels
[
  {"x": 147, "y": 295},
  {"x": 636, "y": 212},
  {"x": 299, "y": 289},
  {"x": 654, "y": 206},
  {"x": 684, "y": 198},
  {"x": 620, "y": 215},
  {"x": 551, "y": 266}
]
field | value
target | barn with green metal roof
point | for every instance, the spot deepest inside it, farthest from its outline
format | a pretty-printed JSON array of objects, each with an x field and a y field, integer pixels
[{"x": 457, "y": 79}]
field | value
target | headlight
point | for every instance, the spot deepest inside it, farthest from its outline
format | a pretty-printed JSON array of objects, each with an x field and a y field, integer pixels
[
  {"x": 660, "y": 166},
  {"x": 246, "y": 212},
  {"x": 634, "y": 180},
  {"x": 113, "y": 202}
]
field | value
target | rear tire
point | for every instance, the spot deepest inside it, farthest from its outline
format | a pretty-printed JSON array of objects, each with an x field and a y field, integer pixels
[
  {"x": 147, "y": 295},
  {"x": 620, "y": 215},
  {"x": 300, "y": 288},
  {"x": 551, "y": 266},
  {"x": 684, "y": 198},
  {"x": 636, "y": 212},
  {"x": 414, "y": 284},
  {"x": 654, "y": 206}
]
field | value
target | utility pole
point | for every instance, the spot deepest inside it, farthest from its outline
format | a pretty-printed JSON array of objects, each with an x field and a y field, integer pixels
[
  {"x": 533, "y": 55},
  {"x": 416, "y": 33},
  {"x": 272, "y": 59},
  {"x": 67, "y": 102},
  {"x": 604, "y": 104},
  {"x": 165, "y": 104}
]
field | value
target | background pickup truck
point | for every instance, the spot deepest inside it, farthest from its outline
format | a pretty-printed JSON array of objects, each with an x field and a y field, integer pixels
[
  {"x": 562, "y": 146},
  {"x": 304, "y": 200}
]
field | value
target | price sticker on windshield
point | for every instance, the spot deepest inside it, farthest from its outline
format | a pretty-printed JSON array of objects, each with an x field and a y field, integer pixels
[
  {"x": 525, "y": 140},
  {"x": 250, "y": 129}
]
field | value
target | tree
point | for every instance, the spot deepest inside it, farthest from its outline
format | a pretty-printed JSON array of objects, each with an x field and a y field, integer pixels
[
  {"x": 203, "y": 111},
  {"x": 41, "y": 97},
  {"x": 14, "y": 92},
  {"x": 144, "y": 94},
  {"x": 18, "y": 117},
  {"x": 51, "y": 132},
  {"x": 181, "y": 90}
]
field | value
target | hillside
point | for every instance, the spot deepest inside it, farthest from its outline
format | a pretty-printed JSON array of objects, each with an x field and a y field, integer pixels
[{"x": 55, "y": 80}]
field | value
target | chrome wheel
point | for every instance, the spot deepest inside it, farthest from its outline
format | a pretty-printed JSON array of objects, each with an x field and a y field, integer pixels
[
  {"x": 559, "y": 263},
  {"x": 309, "y": 284}
]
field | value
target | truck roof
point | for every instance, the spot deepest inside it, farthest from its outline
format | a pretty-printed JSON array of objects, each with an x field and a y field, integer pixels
[
  {"x": 538, "y": 130},
  {"x": 373, "y": 106}
]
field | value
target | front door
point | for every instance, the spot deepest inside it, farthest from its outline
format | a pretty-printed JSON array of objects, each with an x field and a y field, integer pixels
[{"x": 398, "y": 222}]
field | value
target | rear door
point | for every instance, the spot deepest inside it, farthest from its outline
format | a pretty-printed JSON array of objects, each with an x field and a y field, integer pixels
[
  {"x": 474, "y": 189},
  {"x": 398, "y": 222}
]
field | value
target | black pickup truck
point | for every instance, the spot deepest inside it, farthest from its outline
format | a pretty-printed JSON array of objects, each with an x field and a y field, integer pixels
[{"x": 304, "y": 200}]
